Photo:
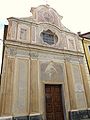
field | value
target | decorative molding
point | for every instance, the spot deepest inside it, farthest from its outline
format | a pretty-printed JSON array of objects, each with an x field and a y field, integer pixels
[
  {"x": 81, "y": 60},
  {"x": 52, "y": 71},
  {"x": 33, "y": 34},
  {"x": 50, "y": 56},
  {"x": 23, "y": 53},
  {"x": 33, "y": 54},
  {"x": 77, "y": 78},
  {"x": 14, "y": 30},
  {"x": 23, "y": 34},
  {"x": 12, "y": 51},
  {"x": 79, "y": 87},
  {"x": 71, "y": 42},
  {"x": 67, "y": 58},
  {"x": 73, "y": 58},
  {"x": 48, "y": 15},
  {"x": 44, "y": 55}
]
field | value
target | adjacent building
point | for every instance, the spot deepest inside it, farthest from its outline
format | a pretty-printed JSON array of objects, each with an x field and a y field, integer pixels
[
  {"x": 86, "y": 45},
  {"x": 43, "y": 73}
]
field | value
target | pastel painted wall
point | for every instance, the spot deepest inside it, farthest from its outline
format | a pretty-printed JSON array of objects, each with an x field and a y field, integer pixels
[{"x": 29, "y": 63}]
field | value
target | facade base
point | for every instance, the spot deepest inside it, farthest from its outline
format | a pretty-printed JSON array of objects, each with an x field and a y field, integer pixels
[
  {"x": 73, "y": 115},
  {"x": 31, "y": 117},
  {"x": 79, "y": 115}
]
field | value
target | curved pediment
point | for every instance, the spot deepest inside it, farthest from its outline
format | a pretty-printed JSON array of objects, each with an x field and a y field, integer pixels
[
  {"x": 44, "y": 13},
  {"x": 43, "y": 28}
]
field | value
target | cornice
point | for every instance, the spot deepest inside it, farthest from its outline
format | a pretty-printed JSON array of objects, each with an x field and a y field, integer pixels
[
  {"x": 39, "y": 23},
  {"x": 86, "y": 40},
  {"x": 41, "y": 48}
]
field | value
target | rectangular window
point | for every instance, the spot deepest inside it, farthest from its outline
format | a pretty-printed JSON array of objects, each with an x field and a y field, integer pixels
[{"x": 23, "y": 33}]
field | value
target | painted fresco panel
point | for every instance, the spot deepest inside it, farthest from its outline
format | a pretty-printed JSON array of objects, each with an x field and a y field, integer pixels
[
  {"x": 71, "y": 42},
  {"x": 8, "y": 87},
  {"x": 14, "y": 30},
  {"x": 49, "y": 64},
  {"x": 33, "y": 34},
  {"x": 34, "y": 97},
  {"x": 80, "y": 99},
  {"x": 48, "y": 15},
  {"x": 22, "y": 77},
  {"x": 79, "y": 88},
  {"x": 20, "y": 105},
  {"x": 23, "y": 33},
  {"x": 77, "y": 78},
  {"x": 51, "y": 71}
]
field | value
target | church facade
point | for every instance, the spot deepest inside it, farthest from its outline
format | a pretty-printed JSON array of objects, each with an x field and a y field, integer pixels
[{"x": 43, "y": 73}]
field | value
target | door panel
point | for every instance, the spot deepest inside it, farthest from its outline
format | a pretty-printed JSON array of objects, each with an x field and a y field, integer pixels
[{"x": 54, "y": 107}]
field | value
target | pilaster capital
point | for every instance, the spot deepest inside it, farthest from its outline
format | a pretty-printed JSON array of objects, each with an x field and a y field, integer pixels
[
  {"x": 33, "y": 54},
  {"x": 12, "y": 51},
  {"x": 67, "y": 58}
]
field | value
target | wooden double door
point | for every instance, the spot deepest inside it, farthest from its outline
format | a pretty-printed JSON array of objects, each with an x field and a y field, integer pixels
[{"x": 54, "y": 106}]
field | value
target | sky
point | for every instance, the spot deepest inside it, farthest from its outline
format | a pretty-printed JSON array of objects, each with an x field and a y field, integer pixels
[
  {"x": 75, "y": 13},
  {"x": 76, "y": 16}
]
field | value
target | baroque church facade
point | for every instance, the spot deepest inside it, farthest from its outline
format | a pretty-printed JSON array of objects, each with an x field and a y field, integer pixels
[{"x": 43, "y": 73}]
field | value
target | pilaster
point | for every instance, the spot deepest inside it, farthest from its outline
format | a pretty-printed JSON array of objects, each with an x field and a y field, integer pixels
[
  {"x": 34, "y": 105},
  {"x": 70, "y": 85},
  {"x": 7, "y": 88},
  {"x": 85, "y": 83}
]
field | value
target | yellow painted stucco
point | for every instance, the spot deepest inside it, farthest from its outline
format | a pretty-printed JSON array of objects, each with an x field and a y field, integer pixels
[{"x": 86, "y": 44}]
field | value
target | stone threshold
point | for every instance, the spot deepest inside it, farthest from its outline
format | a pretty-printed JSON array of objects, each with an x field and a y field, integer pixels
[{"x": 29, "y": 117}]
